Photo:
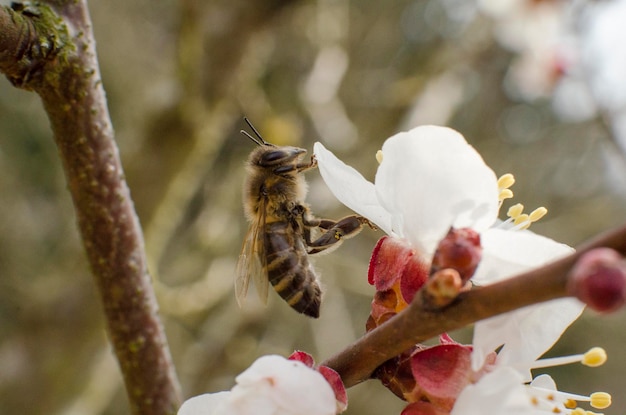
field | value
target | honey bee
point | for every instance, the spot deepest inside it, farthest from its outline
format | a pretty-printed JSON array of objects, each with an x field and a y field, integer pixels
[{"x": 280, "y": 238}]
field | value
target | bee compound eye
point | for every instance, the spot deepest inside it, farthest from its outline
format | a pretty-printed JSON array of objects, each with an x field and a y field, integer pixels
[{"x": 272, "y": 156}]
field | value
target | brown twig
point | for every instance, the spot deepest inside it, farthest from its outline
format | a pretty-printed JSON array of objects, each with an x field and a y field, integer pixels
[
  {"x": 51, "y": 50},
  {"x": 416, "y": 324}
]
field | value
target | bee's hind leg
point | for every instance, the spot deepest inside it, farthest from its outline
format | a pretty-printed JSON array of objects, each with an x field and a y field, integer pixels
[{"x": 334, "y": 232}]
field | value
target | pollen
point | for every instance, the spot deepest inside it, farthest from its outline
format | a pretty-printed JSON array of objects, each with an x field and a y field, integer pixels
[
  {"x": 379, "y": 156},
  {"x": 505, "y": 181},
  {"x": 505, "y": 194},
  {"x": 523, "y": 220},
  {"x": 594, "y": 357},
  {"x": 515, "y": 210},
  {"x": 570, "y": 404},
  {"x": 537, "y": 214},
  {"x": 517, "y": 217},
  {"x": 600, "y": 400}
]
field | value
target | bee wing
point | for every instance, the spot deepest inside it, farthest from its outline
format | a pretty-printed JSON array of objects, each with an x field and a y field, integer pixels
[{"x": 252, "y": 262}]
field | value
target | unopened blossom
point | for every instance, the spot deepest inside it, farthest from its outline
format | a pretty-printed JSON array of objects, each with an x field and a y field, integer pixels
[
  {"x": 536, "y": 31},
  {"x": 272, "y": 385},
  {"x": 599, "y": 279}
]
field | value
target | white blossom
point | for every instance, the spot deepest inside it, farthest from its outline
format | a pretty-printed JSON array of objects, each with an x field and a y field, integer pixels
[
  {"x": 430, "y": 179},
  {"x": 272, "y": 385}
]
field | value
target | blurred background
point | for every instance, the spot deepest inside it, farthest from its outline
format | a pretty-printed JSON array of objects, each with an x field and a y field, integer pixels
[{"x": 538, "y": 87}]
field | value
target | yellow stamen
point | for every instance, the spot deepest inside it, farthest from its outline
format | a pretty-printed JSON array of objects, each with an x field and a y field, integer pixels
[
  {"x": 379, "y": 156},
  {"x": 594, "y": 357},
  {"x": 521, "y": 219},
  {"x": 522, "y": 222},
  {"x": 537, "y": 214},
  {"x": 505, "y": 181},
  {"x": 570, "y": 404},
  {"x": 578, "y": 411},
  {"x": 600, "y": 400},
  {"x": 505, "y": 194},
  {"x": 515, "y": 210}
]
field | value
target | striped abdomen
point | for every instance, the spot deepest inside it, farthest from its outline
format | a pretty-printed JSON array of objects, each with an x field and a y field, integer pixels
[{"x": 289, "y": 270}]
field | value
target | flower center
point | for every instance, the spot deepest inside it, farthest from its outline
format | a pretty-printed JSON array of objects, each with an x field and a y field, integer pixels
[
  {"x": 558, "y": 402},
  {"x": 545, "y": 397}
]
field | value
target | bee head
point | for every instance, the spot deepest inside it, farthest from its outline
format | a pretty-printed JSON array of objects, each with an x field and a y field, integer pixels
[
  {"x": 268, "y": 155},
  {"x": 279, "y": 159}
]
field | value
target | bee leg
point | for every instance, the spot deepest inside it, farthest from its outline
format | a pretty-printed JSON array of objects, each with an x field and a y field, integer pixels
[
  {"x": 299, "y": 168},
  {"x": 307, "y": 166},
  {"x": 335, "y": 232}
]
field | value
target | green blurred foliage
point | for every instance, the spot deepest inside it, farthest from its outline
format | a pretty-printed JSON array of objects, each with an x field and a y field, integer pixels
[{"x": 179, "y": 78}]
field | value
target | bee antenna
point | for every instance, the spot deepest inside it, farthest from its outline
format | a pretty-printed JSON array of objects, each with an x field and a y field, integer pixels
[
  {"x": 247, "y": 134},
  {"x": 260, "y": 140}
]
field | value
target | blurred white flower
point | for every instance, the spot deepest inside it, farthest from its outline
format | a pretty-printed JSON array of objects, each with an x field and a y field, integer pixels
[
  {"x": 537, "y": 31},
  {"x": 272, "y": 385}
]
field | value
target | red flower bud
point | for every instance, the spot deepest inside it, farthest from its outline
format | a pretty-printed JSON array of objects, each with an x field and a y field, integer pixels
[
  {"x": 599, "y": 280},
  {"x": 460, "y": 249}
]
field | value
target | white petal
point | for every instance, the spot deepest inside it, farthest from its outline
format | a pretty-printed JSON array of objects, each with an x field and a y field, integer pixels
[
  {"x": 496, "y": 393},
  {"x": 351, "y": 188},
  {"x": 544, "y": 382},
  {"x": 203, "y": 404},
  {"x": 528, "y": 332},
  {"x": 288, "y": 386},
  {"x": 506, "y": 253},
  {"x": 431, "y": 179}
]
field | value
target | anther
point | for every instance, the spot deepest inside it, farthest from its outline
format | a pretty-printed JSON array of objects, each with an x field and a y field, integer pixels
[
  {"x": 515, "y": 210},
  {"x": 594, "y": 357},
  {"x": 379, "y": 156},
  {"x": 537, "y": 214},
  {"x": 570, "y": 404},
  {"x": 505, "y": 181},
  {"x": 600, "y": 400},
  {"x": 505, "y": 194},
  {"x": 522, "y": 222}
]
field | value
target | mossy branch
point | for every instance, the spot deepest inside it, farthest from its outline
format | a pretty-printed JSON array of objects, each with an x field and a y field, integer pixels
[{"x": 49, "y": 48}]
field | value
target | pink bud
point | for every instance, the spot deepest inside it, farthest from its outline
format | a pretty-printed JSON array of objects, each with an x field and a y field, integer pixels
[
  {"x": 442, "y": 287},
  {"x": 599, "y": 280},
  {"x": 460, "y": 249}
]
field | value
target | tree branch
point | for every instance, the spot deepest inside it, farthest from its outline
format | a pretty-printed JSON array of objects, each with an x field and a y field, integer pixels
[
  {"x": 416, "y": 324},
  {"x": 51, "y": 50}
]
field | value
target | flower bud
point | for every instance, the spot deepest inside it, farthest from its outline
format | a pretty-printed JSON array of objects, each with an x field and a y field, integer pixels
[
  {"x": 599, "y": 280},
  {"x": 460, "y": 250}
]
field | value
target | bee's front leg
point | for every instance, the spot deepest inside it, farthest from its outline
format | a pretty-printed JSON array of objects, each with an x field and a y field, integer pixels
[
  {"x": 307, "y": 166},
  {"x": 335, "y": 232}
]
